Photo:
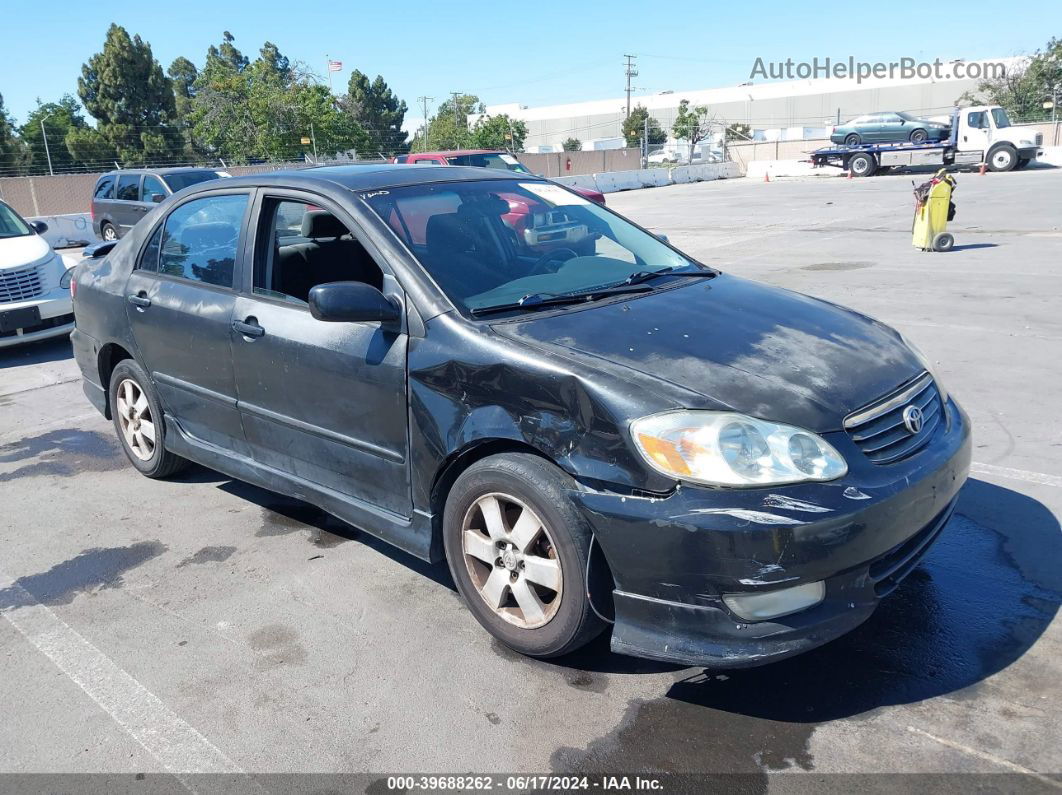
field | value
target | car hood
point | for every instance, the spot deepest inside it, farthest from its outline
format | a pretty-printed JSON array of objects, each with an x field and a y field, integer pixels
[
  {"x": 18, "y": 252},
  {"x": 760, "y": 350}
]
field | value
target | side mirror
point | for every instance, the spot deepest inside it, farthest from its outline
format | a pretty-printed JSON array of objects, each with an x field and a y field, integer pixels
[
  {"x": 66, "y": 278},
  {"x": 39, "y": 227},
  {"x": 663, "y": 238},
  {"x": 99, "y": 249},
  {"x": 157, "y": 198},
  {"x": 349, "y": 302}
]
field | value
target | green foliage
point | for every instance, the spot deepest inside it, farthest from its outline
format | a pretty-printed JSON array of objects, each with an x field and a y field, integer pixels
[
  {"x": 87, "y": 146},
  {"x": 498, "y": 132},
  {"x": 571, "y": 145},
  {"x": 14, "y": 156},
  {"x": 377, "y": 110},
  {"x": 739, "y": 132},
  {"x": 58, "y": 119},
  {"x": 1022, "y": 92},
  {"x": 691, "y": 124},
  {"x": 634, "y": 127},
  {"x": 124, "y": 88},
  {"x": 448, "y": 128}
]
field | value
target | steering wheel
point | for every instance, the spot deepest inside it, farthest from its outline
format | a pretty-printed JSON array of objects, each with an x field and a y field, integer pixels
[{"x": 551, "y": 255}]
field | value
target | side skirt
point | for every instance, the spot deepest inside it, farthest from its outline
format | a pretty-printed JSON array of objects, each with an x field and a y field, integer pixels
[{"x": 412, "y": 534}]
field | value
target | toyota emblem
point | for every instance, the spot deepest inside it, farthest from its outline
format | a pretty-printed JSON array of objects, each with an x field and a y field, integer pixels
[{"x": 913, "y": 418}]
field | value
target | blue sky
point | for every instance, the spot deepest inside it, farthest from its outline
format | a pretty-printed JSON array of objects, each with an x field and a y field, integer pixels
[{"x": 533, "y": 53}]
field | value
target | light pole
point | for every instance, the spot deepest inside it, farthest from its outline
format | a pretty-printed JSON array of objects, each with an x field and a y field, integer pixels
[{"x": 47, "y": 151}]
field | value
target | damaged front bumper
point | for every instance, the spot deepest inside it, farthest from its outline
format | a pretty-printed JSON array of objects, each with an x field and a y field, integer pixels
[{"x": 674, "y": 557}]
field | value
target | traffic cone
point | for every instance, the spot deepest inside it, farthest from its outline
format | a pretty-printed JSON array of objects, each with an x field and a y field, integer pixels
[
  {"x": 766, "y": 177},
  {"x": 981, "y": 171},
  {"x": 850, "y": 174}
]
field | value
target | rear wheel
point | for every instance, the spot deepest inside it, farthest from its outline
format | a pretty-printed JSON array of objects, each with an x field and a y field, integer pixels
[
  {"x": 919, "y": 136},
  {"x": 139, "y": 422},
  {"x": 108, "y": 232},
  {"x": 862, "y": 165},
  {"x": 518, "y": 549},
  {"x": 1002, "y": 158},
  {"x": 852, "y": 139}
]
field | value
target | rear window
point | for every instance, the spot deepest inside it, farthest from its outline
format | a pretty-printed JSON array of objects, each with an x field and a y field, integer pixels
[
  {"x": 183, "y": 179},
  {"x": 103, "y": 187},
  {"x": 128, "y": 188}
]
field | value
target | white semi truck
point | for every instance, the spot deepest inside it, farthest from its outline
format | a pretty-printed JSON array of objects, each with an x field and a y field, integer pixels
[{"x": 981, "y": 134}]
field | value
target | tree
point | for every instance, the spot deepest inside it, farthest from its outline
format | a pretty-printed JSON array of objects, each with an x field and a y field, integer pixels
[
  {"x": 183, "y": 74},
  {"x": 498, "y": 132},
  {"x": 14, "y": 156},
  {"x": 448, "y": 128},
  {"x": 124, "y": 88},
  {"x": 739, "y": 132},
  {"x": 227, "y": 53},
  {"x": 1022, "y": 91},
  {"x": 58, "y": 119},
  {"x": 571, "y": 145},
  {"x": 692, "y": 124},
  {"x": 634, "y": 128},
  {"x": 377, "y": 110}
]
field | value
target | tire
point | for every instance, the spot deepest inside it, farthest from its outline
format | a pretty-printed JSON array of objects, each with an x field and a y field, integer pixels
[
  {"x": 555, "y": 544},
  {"x": 108, "y": 232},
  {"x": 943, "y": 241},
  {"x": 862, "y": 165},
  {"x": 919, "y": 136},
  {"x": 134, "y": 411},
  {"x": 1022, "y": 163},
  {"x": 852, "y": 139},
  {"x": 1002, "y": 158}
]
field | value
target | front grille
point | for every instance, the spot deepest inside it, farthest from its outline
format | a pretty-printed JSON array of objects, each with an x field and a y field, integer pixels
[
  {"x": 44, "y": 325},
  {"x": 880, "y": 431},
  {"x": 887, "y": 571},
  {"x": 1039, "y": 139},
  {"x": 21, "y": 284}
]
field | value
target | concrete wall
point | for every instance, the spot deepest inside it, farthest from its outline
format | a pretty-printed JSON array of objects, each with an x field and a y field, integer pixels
[{"x": 554, "y": 164}]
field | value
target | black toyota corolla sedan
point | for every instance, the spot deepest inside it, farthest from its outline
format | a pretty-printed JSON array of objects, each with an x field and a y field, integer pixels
[{"x": 591, "y": 427}]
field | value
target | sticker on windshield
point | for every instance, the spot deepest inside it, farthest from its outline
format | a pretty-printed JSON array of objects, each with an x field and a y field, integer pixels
[
  {"x": 553, "y": 193},
  {"x": 507, "y": 158}
]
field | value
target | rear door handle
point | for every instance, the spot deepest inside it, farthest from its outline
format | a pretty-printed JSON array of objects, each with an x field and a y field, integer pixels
[
  {"x": 248, "y": 328},
  {"x": 139, "y": 301}
]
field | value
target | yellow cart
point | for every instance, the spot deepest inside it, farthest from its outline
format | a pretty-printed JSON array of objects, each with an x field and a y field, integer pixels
[{"x": 933, "y": 210}]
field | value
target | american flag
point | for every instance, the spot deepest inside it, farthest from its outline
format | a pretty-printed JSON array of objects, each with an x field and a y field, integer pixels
[{"x": 335, "y": 66}]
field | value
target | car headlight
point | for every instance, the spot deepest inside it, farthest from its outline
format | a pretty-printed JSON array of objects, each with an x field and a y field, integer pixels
[
  {"x": 722, "y": 448},
  {"x": 929, "y": 367}
]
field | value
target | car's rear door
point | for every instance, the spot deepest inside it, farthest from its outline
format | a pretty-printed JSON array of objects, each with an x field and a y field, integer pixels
[
  {"x": 180, "y": 301},
  {"x": 127, "y": 206},
  {"x": 323, "y": 402}
]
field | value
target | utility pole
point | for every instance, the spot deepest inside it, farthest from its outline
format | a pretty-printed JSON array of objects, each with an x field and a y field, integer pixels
[
  {"x": 631, "y": 72},
  {"x": 424, "y": 103},
  {"x": 313, "y": 138},
  {"x": 645, "y": 141},
  {"x": 46, "y": 150},
  {"x": 457, "y": 116}
]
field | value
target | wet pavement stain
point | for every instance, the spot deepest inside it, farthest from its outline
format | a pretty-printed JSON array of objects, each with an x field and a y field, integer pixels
[
  {"x": 837, "y": 266},
  {"x": 62, "y": 453},
  {"x": 982, "y": 596},
  {"x": 325, "y": 530},
  {"x": 93, "y": 569},
  {"x": 276, "y": 645},
  {"x": 208, "y": 555}
]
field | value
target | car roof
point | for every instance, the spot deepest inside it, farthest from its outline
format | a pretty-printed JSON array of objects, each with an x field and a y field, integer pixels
[
  {"x": 365, "y": 176},
  {"x": 454, "y": 152},
  {"x": 159, "y": 171}
]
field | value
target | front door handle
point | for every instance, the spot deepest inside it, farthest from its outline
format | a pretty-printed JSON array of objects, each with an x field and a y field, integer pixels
[
  {"x": 139, "y": 300},
  {"x": 248, "y": 328}
]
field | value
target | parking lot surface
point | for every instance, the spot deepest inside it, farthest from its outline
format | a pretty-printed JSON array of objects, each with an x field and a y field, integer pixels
[{"x": 203, "y": 625}]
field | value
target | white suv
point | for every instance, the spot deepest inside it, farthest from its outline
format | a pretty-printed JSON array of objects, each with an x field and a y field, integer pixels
[{"x": 34, "y": 286}]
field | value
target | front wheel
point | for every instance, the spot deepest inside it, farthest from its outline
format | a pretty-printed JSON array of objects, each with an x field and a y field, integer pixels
[
  {"x": 1002, "y": 158},
  {"x": 919, "y": 136},
  {"x": 139, "y": 423},
  {"x": 518, "y": 549}
]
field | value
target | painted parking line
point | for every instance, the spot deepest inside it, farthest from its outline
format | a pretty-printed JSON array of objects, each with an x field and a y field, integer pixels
[
  {"x": 1016, "y": 474},
  {"x": 1006, "y": 764},
  {"x": 177, "y": 745}
]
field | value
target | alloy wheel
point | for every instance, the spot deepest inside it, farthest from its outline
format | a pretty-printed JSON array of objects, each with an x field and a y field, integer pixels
[
  {"x": 512, "y": 560},
  {"x": 109, "y": 234},
  {"x": 134, "y": 416}
]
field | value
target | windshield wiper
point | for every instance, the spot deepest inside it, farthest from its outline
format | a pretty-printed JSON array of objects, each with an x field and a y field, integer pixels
[
  {"x": 536, "y": 300},
  {"x": 643, "y": 276}
]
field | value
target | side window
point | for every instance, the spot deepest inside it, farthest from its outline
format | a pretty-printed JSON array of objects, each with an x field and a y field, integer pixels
[
  {"x": 149, "y": 259},
  {"x": 104, "y": 187},
  {"x": 128, "y": 188},
  {"x": 152, "y": 188},
  {"x": 300, "y": 245},
  {"x": 201, "y": 238},
  {"x": 976, "y": 120},
  {"x": 425, "y": 160}
]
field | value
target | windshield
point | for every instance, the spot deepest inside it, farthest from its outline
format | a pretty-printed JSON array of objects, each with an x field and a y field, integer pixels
[
  {"x": 907, "y": 116},
  {"x": 494, "y": 242},
  {"x": 501, "y": 160},
  {"x": 11, "y": 223},
  {"x": 182, "y": 179},
  {"x": 999, "y": 116}
]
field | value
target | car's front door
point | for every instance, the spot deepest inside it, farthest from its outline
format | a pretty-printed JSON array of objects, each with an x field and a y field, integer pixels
[
  {"x": 180, "y": 300},
  {"x": 323, "y": 402},
  {"x": 975, "y": 131}
]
